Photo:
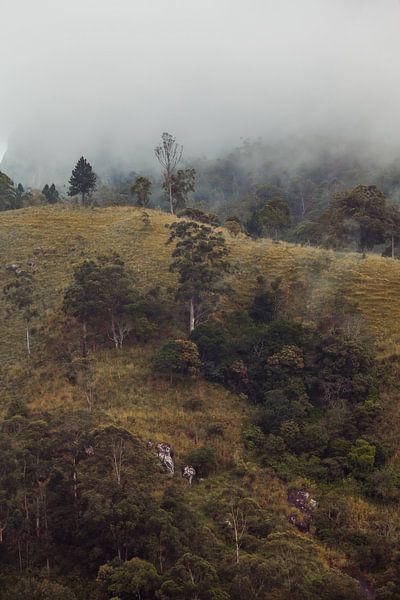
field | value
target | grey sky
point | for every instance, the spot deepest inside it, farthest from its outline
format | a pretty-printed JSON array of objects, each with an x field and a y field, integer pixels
[{"x": 89, "y": 76}]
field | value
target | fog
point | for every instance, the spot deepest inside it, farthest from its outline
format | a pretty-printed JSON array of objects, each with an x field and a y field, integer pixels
[{"x": 104, "y": 79}]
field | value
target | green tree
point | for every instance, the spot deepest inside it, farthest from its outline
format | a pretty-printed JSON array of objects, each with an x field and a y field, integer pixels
[
  {"x": 393, "y": 227},
  {"x": 134, "y": 579},
  {"x": 276, "y": 216},
  {"x": 362, "y": 457},
  {"x": 82, "y": 180},
  {"x": 103, "y": 292},
  {"x": 192, "y": 578},
  {"x": 7, "y": 192},
  {"x": 19, "y": 297},
  {"x": 19, "y": 192},
  {"x": 141, "y": 190},
  {"x": 195, "y": 214},
  {"x": 359, "y": 215},
  {"x": 50, "y": 193},
  {"x": 169, "y": 154},
  {"x": 200, "y": 260},
  {"x": 179, "y": 357}
]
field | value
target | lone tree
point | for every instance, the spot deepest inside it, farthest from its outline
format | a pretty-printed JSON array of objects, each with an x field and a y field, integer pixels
[
  {"x": 82, "y": 180},
  {"x": 19, "y": 297},
  {"x": 141, "y": 190},
  {"x": 169, "y": 154},
  {"x": 19, "y": 192},
  {"x": 200, "y": 260}
]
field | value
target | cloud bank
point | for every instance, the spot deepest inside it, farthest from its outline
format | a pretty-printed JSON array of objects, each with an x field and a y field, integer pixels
[{"x": 104, "y": 79}]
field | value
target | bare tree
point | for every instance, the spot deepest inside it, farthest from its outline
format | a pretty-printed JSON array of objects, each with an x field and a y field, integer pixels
[
  {"x": 169, "y": 155},
  {"x": 238, "y": 517}
]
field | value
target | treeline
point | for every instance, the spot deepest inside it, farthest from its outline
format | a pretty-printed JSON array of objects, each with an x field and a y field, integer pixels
[{"x": 331, "y": 199}]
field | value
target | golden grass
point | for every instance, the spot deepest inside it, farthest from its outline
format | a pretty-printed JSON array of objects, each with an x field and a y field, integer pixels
[{"x": 58, "y": 238}]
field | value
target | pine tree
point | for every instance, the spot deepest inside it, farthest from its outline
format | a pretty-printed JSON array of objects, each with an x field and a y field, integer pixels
[
  {"x": 83, "y": 180},
  {"x": 19, "y": 192},
  {"x": 50, "y": 193}
]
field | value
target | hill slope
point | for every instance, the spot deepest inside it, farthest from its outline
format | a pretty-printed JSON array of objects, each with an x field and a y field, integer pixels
[{"x": 53, "y": 240}]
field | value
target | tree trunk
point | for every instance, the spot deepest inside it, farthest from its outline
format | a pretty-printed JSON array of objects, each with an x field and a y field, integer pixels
[
  {"x": 114, "y": 332},
  {"x": 393, "y": 246},
  {"x": 171, "y": 200},
  {"x": 83, "y": 198},
  {"x": 84, "y": 339},
  {"x": 191, "y": 316},
  {"x": 28, "y": 340}
]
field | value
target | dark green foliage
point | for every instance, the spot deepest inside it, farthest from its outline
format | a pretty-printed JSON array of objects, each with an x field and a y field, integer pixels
[
  {"x": 178, "y": 357},
  {"x": 50, "y": 193},
  {"x": 361, "y": 215},
  {"x": 276, "y": 216},
  {"x": 200, "y": 260},
  {"x": 135, "y": 578},
  {"x": 7, "y": 193},
  {"x": 204, "y": 460},
  {"x": 19, "y": 192},
  {"x": 82, "y": 180},
  {"x": 104, "y": 299},
  {"x": 195, "y": 214},
  {"x": 192, "y": 577}
]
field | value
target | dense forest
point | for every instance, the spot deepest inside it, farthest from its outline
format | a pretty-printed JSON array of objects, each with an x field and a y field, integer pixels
[{"x": 201, "y": 402}]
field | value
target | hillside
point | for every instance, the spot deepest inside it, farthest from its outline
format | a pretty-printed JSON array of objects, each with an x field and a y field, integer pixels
[
  {"x": 58, "y": 238},
  {"x": 51, "y": 241}
]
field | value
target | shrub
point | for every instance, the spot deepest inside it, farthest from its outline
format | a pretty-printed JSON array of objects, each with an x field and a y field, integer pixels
[
  {"x": 178, "y": 357},
  {"x": 204, "y": 460}
]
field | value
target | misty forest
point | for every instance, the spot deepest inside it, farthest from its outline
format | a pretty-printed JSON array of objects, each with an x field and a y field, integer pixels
[{"x": 200, "y": 301}]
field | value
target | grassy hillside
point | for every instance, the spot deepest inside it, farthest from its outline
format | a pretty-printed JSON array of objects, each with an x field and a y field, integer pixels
[
  {"x": 55, "y": 239},
  {"x": 51, "y": 241}
]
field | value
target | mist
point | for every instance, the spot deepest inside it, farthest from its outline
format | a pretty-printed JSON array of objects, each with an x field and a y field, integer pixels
[{"x": 104, "y": 79}]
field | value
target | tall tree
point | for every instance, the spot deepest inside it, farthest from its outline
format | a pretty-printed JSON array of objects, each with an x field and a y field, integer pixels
[
  {"x": 393, "y": 227},
  {"x": 182, "y": 183},
  {"x": 200, "y": 260},
  {"x": 82, "y": 180},
  {"x": 276, "y": 216},
  {"x": 19, "y": 192},
  {"x": 359, "y": 215},
  {"x": 169, "y": 154},
  {"x": 141, "y": 190},
  {"x": 19, "y": 297},
  {"x": 102, "y": 295}
]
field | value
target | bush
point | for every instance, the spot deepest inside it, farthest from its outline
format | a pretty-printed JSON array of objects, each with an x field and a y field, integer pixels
[
  {"x": 204, "y": 460},
  {"x": 178, "y": 357}
]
